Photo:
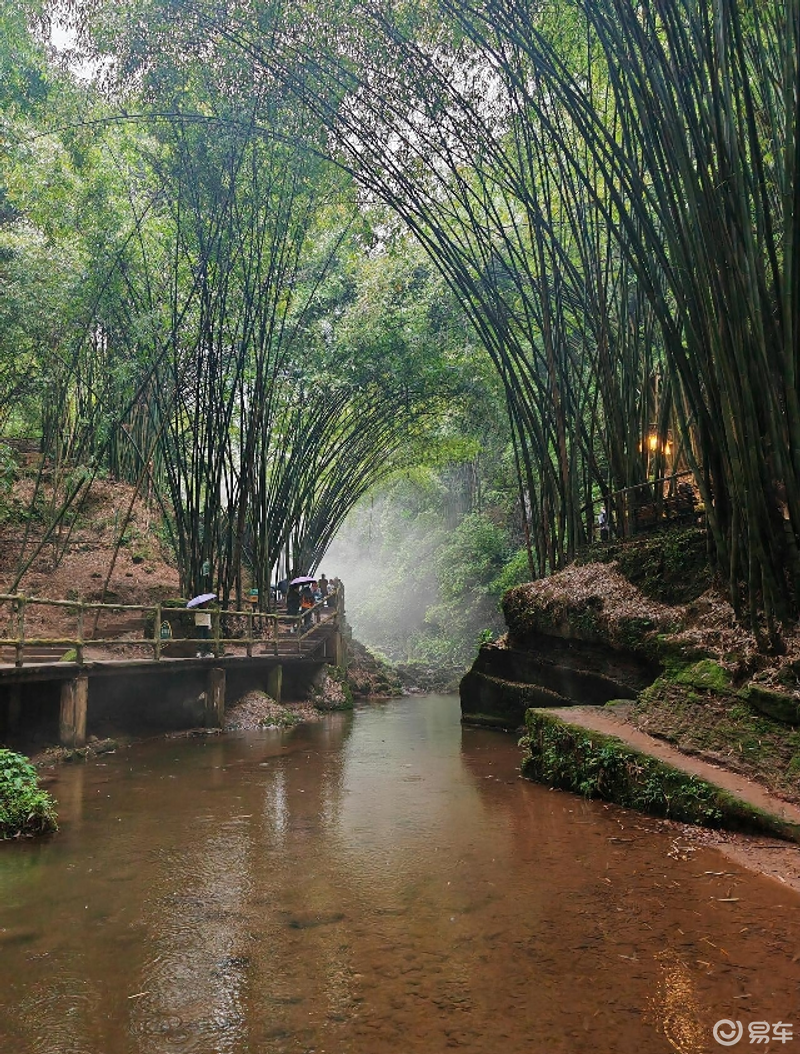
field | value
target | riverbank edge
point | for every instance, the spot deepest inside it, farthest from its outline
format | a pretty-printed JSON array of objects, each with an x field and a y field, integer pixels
[
  {"x": 579, "y": 757},
  {"x": 688, "y": 675}
]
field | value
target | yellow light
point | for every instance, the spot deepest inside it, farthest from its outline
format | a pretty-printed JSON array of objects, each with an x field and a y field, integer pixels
[{"x": 652, "y": 442}]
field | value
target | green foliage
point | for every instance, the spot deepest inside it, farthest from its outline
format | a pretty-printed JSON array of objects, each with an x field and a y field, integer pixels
[
  {"x": 24, "y": 79},
  {"x": 782, "y": 706},
  {"x": 24, "y": 808},
  {"x": 515, "y": 572},
  {"x": 8, "y": 468},
  {"x": 705, "y": 674}
]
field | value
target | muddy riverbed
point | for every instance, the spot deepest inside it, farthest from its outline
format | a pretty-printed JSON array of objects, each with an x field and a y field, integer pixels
[{"x": 381, "y": 881}]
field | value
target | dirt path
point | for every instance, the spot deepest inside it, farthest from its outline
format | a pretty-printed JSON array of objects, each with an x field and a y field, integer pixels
[{"x": 779, "y": 860}]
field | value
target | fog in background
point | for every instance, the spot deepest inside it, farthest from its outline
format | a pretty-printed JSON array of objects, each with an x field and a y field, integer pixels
[
  {"x": 423, "y": 571},
  {"x": 388, "y": 565}
]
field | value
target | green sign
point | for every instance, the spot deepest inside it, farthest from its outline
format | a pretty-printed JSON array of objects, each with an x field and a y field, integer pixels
[{"x": 165, "y": 631}]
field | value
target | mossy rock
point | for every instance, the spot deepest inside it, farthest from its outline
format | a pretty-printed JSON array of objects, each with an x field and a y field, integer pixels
[
  {"x": 504, "y": 702},
  {"x": 706, "y": 675},
  {"x": 602, "y": 766},
  {"x": 675, "y": 655},
  {"x": 778, "y": 705}
]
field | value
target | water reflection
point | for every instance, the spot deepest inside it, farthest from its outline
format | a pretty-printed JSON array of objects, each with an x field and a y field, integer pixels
[{"x": 369, "y": 884}]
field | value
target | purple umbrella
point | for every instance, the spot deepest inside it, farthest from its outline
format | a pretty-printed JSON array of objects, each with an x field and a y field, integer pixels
[
  {"x": 195, "y": 602},
  {"x": 302, "y": 580}
]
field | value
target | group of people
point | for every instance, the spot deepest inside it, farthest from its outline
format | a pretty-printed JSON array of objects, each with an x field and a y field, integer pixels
[{"x": 302, "y": 598}]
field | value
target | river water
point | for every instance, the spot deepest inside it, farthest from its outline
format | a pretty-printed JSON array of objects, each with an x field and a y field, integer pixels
[{"x": 378, "y": 882}]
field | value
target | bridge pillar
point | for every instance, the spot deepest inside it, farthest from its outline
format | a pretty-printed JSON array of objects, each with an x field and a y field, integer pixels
[
  {"x": 14, "y": 707},
  {"x": 214, "y": 716},
  {"x": 74, "y": 705},
  {"x": 339, "y": 650},
  {"x": 275, "y": 683}
]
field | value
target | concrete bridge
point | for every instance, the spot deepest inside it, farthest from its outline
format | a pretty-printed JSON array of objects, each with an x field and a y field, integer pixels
[{"x": 137, "y": 667}]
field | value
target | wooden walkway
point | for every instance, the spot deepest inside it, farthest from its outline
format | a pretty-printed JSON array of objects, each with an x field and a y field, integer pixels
[
  {"x": 316, "y": 645},
  {"x": 261, "y": 650},
  {"x": 102, "y": 633}
]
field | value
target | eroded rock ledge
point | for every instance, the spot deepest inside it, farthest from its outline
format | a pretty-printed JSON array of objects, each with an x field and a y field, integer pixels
[
  {"x": 584, "y": 636},
  {"x": 505, "y": 681}
]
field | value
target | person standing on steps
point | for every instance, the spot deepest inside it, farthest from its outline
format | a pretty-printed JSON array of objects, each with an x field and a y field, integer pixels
[
  {"x": 293, "y": 605},
  {"x": 602, "y": 523},
  {"x": 306, "y": 604},
  {"x": 323, "y": 588}
]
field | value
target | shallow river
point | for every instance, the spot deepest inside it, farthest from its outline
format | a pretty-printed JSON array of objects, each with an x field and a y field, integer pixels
[{"x": 378, "y": 882}]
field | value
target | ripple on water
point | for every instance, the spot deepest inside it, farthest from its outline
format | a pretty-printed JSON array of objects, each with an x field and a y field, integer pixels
[
  {"x": 341, "y": 902},
  {"x": 60, "y": 1010}
]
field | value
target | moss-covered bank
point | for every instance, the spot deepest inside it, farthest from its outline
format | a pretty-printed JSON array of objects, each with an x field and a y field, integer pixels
[
  {"x": 702, "y": 710},
  {"x": 601, "y": 766},
  {"x": 25, "y": 809},
  {"x": 696, "y": 676}
]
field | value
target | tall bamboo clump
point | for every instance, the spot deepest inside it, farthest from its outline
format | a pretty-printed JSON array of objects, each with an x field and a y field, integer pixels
[
  {"x": 539, "y": 149},
  {"x": 418, "y": 114},
  {"x": 706, "y": 150},
  {"x": 260, "y": 468}
]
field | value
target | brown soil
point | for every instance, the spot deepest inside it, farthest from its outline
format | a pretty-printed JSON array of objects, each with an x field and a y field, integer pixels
[
  {"x": 88, "y": 565},
  {"x": 257, "y": 710}
]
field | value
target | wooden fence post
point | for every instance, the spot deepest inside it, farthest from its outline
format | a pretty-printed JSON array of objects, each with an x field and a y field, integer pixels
[
  {"x": 18, "y": 655},
  {"x": 79, "y": 644}
]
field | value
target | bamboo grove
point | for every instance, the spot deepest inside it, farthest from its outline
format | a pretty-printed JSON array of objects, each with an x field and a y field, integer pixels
[
  {"x": 612, "y": 191},
  {"x": 202, "y": 362},
  {"x": 609, "y": 191}
]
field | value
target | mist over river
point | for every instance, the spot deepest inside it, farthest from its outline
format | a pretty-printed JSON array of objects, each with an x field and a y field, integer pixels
[{"x": 381, "y": 881}]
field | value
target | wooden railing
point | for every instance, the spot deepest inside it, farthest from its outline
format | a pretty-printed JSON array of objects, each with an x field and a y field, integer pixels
[
  {"x": 230, "y": 629},
  {"x": 646, "y": 505}
]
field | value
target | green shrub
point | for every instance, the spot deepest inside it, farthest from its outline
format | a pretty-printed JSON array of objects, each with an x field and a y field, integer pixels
[{"x": 24, "y": 807}]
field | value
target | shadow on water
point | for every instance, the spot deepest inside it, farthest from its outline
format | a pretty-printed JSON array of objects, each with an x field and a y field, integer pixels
[{"x": 376, "y": 882}]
